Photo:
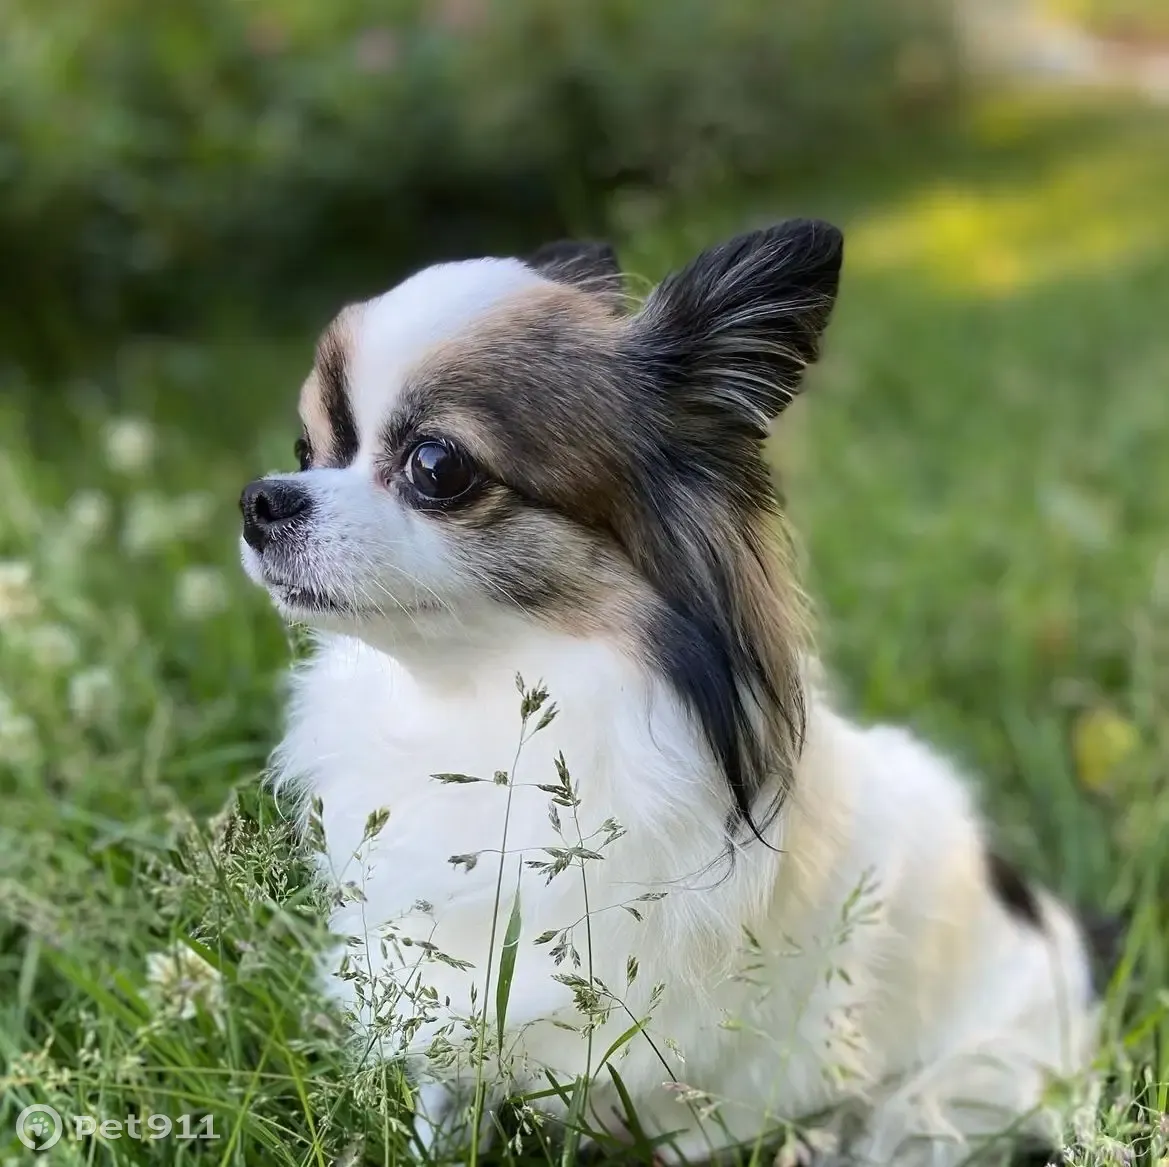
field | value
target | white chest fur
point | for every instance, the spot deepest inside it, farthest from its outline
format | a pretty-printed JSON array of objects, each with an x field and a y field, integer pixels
[{"x": 864, "y": 949}]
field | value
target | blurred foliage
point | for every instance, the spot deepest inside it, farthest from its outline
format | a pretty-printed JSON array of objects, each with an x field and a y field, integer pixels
[
  {"x": 1135, "y": 20},
  {"x": 155, "y": 155}
]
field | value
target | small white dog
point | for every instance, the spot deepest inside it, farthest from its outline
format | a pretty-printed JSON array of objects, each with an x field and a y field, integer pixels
[{"x": 503, "y": 472}]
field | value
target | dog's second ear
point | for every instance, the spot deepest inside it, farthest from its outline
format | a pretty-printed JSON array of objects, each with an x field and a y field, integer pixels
[
  {"x": 732, "y": 332},
  {"x": 588, "y": 264}
]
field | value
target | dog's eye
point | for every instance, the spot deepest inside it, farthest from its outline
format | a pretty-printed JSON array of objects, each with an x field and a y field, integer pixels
[
  {"x": 303, "y": 452},
  {"x": 439, "y": 470}
]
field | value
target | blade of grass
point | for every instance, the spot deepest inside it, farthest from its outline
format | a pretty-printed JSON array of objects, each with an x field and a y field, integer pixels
[{"x": 507, "y": 958}]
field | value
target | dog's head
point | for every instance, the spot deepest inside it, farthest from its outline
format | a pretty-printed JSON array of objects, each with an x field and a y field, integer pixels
[{"x": 498, "y": 440}]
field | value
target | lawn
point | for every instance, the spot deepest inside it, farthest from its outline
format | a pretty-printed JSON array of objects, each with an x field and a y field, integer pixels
[{"x": 980, "y": 476}]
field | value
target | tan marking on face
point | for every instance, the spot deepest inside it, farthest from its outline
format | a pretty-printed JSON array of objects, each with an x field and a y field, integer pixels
[
  {"x": 335, "y": 344},
  {"x": 313, "y": 414},
  {"x": 529, "y": 391},
  {"x": 568, "y": 406},
  {"x": 492, "y": 336},
  {"x": 588, "y": 587}
]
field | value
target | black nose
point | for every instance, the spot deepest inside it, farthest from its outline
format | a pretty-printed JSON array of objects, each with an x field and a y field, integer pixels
[{"x": 268, "y": 503}]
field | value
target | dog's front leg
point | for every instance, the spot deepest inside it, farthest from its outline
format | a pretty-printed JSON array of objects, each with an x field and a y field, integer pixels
[
  {"x": 437, "y": 1107},
  {"x": 443, "y": 1114}
]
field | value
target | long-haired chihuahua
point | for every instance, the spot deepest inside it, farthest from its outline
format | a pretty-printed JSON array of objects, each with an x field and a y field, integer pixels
[{"x": 677, "y": 873}]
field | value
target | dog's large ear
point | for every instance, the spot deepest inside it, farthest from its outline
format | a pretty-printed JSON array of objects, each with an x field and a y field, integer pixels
[
  {"x": 587, "y": 264},
  {"x": 733, "y": 331}
]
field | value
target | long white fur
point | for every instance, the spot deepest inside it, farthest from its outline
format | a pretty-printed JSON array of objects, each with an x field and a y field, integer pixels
[{"x": 951, "y": 1014}]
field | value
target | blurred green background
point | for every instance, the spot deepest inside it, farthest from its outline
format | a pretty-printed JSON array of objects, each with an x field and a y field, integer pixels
[
  {"x": 157, "y": 155},
  {"x": 979, "y": 470}
]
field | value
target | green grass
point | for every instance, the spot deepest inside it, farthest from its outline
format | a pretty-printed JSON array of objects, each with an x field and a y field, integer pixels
[{"x": 980, "y": 474}]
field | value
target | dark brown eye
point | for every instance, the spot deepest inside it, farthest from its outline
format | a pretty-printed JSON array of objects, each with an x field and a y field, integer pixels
[
  {"x": 439, "y": 470},
  {"x": 304, "y": 454}
]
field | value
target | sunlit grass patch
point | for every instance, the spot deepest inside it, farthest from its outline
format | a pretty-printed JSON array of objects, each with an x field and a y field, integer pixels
[{"x": 1086, "y": 213}]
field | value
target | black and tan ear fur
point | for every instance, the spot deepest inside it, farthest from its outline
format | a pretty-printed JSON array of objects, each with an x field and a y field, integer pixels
[
  {"x": 587, "y": 264},
  {"x": 733, "y": 331},
  {"x": 719, "y": 350}
]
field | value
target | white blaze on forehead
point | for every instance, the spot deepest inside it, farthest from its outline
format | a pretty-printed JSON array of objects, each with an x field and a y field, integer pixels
[{"x": 391, "y": 333}]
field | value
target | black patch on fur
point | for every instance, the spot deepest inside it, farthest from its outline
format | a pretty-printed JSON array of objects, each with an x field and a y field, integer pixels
[
  {"x": 1033, "y": 1152},
  {"x": 1105, "y": 937},
  {"x": 694, "y": 656},
  {"x": 332, "y": 369},
  {"x": 587, "y": 264},
  {"x": 702, "y": 646},
  {"x": 1013, "y": 891},
  {"x": 722, "y": 346}
]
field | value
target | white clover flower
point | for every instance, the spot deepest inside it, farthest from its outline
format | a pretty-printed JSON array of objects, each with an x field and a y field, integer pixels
[
  {"x": 824, "y": 1143},
  {"x": 794, "y": 1153},
  {"x": 458, "y": 16},
  {"x": 181, "y": 983},
  {"x": 19, "y": 741},
  {"x": 191, "y": 512},
  {"x": 201, "y": 592},
  {"x": 18, "y": 598},
  {"x": 87, "y": 515},
  {"x": 130, "y": 444},
  {"x": 376, "y": 50},
  {"x": 154, "y": 521},
  {"x": 93, "y": 695},
  {"x": 51, "y": 647},
  {"x": 149, "y": 523}
]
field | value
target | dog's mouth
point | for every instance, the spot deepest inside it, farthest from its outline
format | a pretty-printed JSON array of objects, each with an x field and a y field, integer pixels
[
  {"x": 302, "y": 602},
  {"x": 308, "y": 600}
]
